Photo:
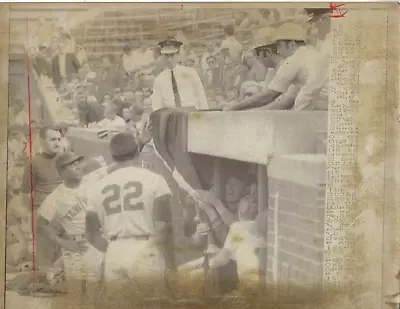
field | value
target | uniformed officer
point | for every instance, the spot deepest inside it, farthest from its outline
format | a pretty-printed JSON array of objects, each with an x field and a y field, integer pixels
[
  {"x": 292, "y": 74},
  {"x": 178, "y": 85}
]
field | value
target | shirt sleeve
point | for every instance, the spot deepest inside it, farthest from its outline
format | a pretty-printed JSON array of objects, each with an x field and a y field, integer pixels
[
  {"x": 285, "y": 76},
  {"x": 48, "y": 209},
  {"x": 156, "y": 98},
  {"x": 201, "y": 94}
]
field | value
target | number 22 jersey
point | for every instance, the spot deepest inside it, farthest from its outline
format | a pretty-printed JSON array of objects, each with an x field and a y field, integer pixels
[{"x": 124, "y": 201}]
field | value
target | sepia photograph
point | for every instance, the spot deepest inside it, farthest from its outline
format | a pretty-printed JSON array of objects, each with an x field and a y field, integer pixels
[{"x": 170, "y": 155}]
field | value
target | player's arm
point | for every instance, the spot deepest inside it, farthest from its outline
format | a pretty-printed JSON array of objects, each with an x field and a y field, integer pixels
[
  {"x": 93, "y": 223},
  {"x": 162, "y": 218},
  {"x": 94, "y": 233},
  {"x": 49, "y": 231},
  {"x": 259, "y": 99}
]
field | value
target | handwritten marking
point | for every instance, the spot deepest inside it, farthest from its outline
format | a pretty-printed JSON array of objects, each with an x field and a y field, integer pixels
[
  {"x": 25, "y": 145},
  {"x": 335, "y": 11},
  {"x": 30, "y": 159}
]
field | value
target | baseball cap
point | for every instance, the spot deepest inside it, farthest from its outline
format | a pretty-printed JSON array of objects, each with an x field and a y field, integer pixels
[
  {"x": 170, "y": 46},
  {"x": 66, "y": 158},
  {"x": 123, "y": 143}
]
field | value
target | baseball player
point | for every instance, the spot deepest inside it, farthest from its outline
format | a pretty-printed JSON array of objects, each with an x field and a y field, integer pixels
[
  {"x": 130, "y": 207},
  {"x": 66, "y": 207}
]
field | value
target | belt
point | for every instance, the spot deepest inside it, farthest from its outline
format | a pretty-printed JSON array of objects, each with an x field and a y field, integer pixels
[{"x": 137, "y": 237}]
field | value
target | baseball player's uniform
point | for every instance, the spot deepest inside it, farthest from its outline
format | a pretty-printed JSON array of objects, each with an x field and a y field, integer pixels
[
  {"x": 124, "y": 201},
  {"x": 67, "y": 207}
]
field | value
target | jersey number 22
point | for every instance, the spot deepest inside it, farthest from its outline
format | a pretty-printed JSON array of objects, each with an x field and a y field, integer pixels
[{"x": 130, "y": 192}]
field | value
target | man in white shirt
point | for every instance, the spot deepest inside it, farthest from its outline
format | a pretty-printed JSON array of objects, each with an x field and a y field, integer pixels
[
  {"x": 177, "y": 85},
  {"x": 314, "y": 94},
  {"x": 112, "y": 120},
  {"x": 230, "y": 43},
  {"x": 292, "y": 73}
]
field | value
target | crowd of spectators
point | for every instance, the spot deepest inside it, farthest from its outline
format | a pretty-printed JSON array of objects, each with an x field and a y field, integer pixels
[{"x": 114, "y": 92}]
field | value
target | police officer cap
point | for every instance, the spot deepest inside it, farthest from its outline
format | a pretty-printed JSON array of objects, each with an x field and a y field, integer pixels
[
  {"x": 123, "y": 143},
  {"x": 317, "y": 11},
  {"x": 170, "y": 46}
]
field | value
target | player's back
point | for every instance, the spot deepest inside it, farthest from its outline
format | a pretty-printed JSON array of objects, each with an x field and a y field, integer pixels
[{"x": 124, "y": 200}]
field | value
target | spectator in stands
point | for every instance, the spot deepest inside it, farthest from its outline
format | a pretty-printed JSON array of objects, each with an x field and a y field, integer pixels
[
  {"x": 64, "y": 65},
  {"x": 210, "y": 50},
  {"x": 127, "y": 59},
  {"x": 110, "y": 75},
  {"x": 231, "y": 43},
  {"x": 107, "y": 98},
  {"x": 213, "y": 77},
  {"x": 187, "y": 53},
  {"x": 257, "y": 70},
  {"x": 130, "y": 124},
  {"x": 147, "y": 99},
  {"x": 177, "y": 86},
  {"x": 45, "y": 178},
  {"x": 81, "y": 55},
  {"x": 111, "y": 120},
  {"x": 139, "y": 97},
  {"x": 89, "y": 112},
  {"x": 65, "y": 143}
]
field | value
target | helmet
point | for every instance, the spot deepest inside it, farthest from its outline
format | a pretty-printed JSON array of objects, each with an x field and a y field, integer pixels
[
  {"x": 263, "y": 37},
  {"x": 289, "y": 32}
]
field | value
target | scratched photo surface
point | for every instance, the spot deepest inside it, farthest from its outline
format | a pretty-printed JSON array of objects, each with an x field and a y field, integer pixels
[{"x": 202, "y": 156}]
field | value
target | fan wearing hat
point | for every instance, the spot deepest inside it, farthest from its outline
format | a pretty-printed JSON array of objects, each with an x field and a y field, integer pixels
[
  {"x": 66, "y": 207},
  {"x": 292, "y": 74},
  {"x": 314, "y": 94},
  {"x": 131, "y": 208},
  {"x": 177, "y": 86}
]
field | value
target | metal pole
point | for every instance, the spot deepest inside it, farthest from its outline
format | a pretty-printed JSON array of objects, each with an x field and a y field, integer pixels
[{"x": 262, "y": 182}]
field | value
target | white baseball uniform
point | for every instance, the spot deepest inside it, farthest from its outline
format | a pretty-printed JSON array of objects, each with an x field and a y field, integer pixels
[
  {"x": 124, "y": 201},
  {"x": 67, "y": 207}
]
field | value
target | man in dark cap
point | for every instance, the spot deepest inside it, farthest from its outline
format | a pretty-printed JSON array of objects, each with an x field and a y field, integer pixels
[
  {"x": 177, "y": 86},
  {"x": 131, "y": 207}
]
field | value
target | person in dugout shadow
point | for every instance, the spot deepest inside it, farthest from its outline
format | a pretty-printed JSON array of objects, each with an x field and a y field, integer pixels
[{"x": 208, "y": 228}]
